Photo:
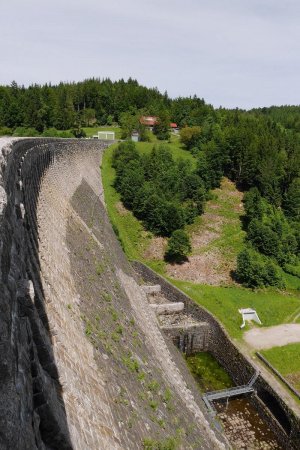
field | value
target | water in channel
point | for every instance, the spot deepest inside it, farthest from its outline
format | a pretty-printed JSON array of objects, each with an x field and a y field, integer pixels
[{"x": 241, "y": 422}]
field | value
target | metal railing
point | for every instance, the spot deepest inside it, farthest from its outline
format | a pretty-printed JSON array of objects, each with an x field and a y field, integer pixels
[{"x": 209, "y": 397}]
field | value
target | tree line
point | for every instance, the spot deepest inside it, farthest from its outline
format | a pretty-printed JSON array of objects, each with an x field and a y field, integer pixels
[
  {"x": 259, "y": 150},
  {"x": 65, "y": 105},
  {"x": 93, "y": 101}
]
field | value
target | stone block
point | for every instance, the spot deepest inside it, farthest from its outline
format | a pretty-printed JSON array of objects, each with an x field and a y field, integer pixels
[{"x": 167, "y": 308}]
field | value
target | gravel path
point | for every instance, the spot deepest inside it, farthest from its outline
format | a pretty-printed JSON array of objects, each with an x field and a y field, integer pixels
[{"x": 263, "y": 338}]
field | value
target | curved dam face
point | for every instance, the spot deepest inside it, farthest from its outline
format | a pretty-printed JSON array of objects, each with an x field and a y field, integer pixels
[{"x": 83, "y": 363}]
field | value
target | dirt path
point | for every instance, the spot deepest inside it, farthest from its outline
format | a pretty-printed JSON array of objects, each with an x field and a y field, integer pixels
[{"x": 277, "y": 336}]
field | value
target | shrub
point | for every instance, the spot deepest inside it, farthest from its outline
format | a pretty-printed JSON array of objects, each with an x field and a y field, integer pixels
[
  {"x": 263, "y": 238},
  {"x": 253, "y": 205},
  {"x": 25, "y": 132},
  {"x": 66, "y": 134},
  {"x": 254, "y": 270},
  {"x": 123, "y": 153},
  {"x": 166, "y": 444},
  {"x": 79, "y": 132},
  {"x": 50, "y": 132},
  {"x": 190, "y": 136},
  {"x": 179, "y": 246},
  {"x": 5, "y": 131}
]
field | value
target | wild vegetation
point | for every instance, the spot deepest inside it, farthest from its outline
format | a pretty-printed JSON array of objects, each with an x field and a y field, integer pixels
[
  {"x": 258, "y": 156},
  {"x": 208, "y": 372},
  {"x": 164, "y": 193}
]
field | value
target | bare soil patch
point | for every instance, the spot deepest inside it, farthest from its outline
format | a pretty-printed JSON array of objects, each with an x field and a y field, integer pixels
[
  {"x": 204, "y": 269},
  {"x": 277, "y": 336},
  {"x": 212, "y": 262},
  {"x": 199, "y": 240}
]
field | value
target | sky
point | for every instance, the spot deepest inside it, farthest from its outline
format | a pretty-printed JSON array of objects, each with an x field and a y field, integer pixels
[{"x": 232, "y": 53}]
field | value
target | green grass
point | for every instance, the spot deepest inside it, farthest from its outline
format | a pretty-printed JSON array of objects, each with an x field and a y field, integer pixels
[
  {"x": 174, "y": 145},
  {"x": 291, "y": 281},
  {"x": 273, "y": 307},
  {"x": 208, "y": 373},
  {"x": 286, "y": 360}
]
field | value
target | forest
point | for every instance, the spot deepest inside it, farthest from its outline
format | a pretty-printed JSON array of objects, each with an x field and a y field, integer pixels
[{"x": 259, "y": 150}]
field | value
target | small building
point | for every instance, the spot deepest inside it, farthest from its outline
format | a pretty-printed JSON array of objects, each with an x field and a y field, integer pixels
[
  {"x": 174, "y": 127},
  {"x": 149, "y": 121},
  {"x": 105, "y": 135},
  {"x": 249, "y": 314},
  {"x": 135, "y": 136}
]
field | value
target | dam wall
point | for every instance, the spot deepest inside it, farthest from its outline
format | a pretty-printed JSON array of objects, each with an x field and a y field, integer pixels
[{"x": 83, "y": 362}]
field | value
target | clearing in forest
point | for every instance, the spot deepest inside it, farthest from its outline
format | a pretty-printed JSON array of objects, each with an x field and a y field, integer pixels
[{"x": 217, "y": 237}]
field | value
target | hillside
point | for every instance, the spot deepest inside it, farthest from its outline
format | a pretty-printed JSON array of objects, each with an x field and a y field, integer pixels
[{"x": 217, "y": 237}]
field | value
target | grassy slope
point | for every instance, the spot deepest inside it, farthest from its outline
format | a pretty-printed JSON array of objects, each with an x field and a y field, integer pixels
[
  {"x": 286, "y": 360},
  {"x": 131, "y": 233},
  {"x": 231, "y": 239},
  {"x": 273, "y": 307}
]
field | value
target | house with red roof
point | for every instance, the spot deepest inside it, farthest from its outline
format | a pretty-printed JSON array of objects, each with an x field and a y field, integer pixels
[{"x": 150, "y": 121}]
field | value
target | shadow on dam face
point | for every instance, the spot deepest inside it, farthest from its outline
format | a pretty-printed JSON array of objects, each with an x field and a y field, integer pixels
[{"x": 38, "y": 417}]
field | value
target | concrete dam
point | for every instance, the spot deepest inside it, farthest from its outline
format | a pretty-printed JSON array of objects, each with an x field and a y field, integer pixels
[{"x": 84, "y": 362}]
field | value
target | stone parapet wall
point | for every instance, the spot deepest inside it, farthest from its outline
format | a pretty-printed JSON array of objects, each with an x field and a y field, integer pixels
[{"x": 284, "y": 421}]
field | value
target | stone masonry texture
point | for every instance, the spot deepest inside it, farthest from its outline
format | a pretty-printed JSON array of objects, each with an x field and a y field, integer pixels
[{"x": 83, "y": 362}]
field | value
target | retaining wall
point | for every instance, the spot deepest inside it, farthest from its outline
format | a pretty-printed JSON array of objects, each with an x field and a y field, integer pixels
[
  {"x": 189, "y": 339},
  {"x": 283, "y": 421}
]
